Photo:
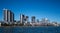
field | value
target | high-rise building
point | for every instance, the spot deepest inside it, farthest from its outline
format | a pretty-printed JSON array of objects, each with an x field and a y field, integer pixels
[
  {"x": 33, "y": 19},
  {"x": 8, "y": 15},
  {"x": 22, "y": 17},
  {"x": 45, "y": 20},
  {"x": 37, "y": 20},
  {"x": 26, "y": 19}
]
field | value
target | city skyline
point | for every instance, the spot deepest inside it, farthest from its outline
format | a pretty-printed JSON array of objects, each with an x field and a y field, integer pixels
[{"x": 40, "y": 9}]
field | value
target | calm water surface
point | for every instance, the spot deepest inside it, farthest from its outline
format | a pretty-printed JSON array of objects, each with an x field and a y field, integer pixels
[{"x": 49, "y": 29}]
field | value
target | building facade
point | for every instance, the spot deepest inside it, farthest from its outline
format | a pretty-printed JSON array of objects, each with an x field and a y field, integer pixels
[
  {"x": 33, "y": 19},
  {"x": 8, "y": 15},
  {"x": 22, "y": 17}
]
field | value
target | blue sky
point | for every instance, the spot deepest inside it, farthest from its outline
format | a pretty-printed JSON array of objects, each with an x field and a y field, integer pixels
[{"x": 40, "y": 8}]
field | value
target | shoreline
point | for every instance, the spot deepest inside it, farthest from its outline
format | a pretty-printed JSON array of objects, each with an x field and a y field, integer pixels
[{"x": 29, "y": 26}]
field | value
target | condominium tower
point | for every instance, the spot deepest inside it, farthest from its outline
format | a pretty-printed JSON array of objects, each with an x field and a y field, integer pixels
[{"x": 8, "y": 15}]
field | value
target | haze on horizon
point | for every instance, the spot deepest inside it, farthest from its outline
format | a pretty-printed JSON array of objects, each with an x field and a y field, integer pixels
[{"x": 40, "y": 8}]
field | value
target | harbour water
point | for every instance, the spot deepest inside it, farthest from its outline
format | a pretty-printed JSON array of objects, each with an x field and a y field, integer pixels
[{"x": 48, "y": 29}]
